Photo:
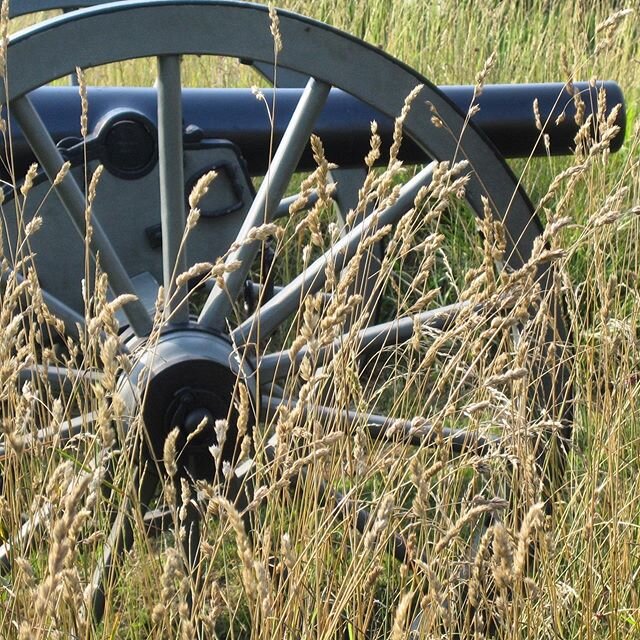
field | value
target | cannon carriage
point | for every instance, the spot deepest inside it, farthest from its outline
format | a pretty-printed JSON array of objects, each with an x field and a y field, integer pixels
[{"x": 193, "y": 346}]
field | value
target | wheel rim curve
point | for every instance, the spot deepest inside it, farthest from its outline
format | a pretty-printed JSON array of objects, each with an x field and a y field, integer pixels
[{"x": 493, "y": 177}]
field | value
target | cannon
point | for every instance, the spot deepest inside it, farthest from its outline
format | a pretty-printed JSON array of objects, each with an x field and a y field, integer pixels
[
  {"x": 228, "y": 324},
  {"x": 505, "y": 116},
  {"x": 229, "y": 130}
]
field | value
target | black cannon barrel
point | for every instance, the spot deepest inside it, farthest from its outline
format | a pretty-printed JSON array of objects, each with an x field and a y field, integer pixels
[{"x": 506, "y": 116}]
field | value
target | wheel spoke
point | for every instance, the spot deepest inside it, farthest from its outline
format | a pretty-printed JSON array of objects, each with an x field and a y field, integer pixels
[
  {"x": 58, "y": 434},
  {"x": 272, "y": 314},
  {"x": 61, "y": 379},
  {"x": 71, "y": 319},
  {"x": 295, "y": 139},
  {"x": 119, "y": 541},
  {"x": 73, "y": 201},
  {"x": 23, "y": 539},
  {"x": 156, "y": 521},
  {"x": 398, "y": 547},
  {"x": 278, "y": 365},
  {"x": 172, "y": 197},
  {"x": 348, "y": 183},
  {"x": 282, "y": 211},
  {"x": 73, "y": 322},
  {"x": 190, "y": 521},
  {"x": 343, "y": 506},
  {"x": 146, "y": 287},
  {"x": 414, "y": 432}
]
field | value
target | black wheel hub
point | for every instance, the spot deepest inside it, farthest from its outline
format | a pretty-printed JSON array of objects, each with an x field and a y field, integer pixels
[{"x": 187, "y": 380}]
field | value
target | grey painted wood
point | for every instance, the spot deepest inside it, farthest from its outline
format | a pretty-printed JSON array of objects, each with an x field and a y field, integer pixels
[
  {"x": 172, "y": 196},
  {"x": 218, "y": 305},
  {"x": 282, "y": 305}
]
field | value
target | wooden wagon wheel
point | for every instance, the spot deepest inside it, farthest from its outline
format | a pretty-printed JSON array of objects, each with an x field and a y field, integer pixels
[{"x": 189, "y": 367}]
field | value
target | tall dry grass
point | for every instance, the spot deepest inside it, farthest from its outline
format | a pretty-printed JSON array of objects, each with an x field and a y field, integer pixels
[{"x": 484, "y": 556}]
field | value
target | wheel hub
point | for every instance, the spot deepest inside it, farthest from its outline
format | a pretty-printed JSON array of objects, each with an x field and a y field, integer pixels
[{"x": 187, "y": 379}]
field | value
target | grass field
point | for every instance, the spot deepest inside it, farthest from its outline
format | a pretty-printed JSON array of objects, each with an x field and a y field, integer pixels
[{"x": 498, "y": 544}]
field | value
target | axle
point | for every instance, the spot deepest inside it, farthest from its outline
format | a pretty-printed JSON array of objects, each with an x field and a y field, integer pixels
[{"x": 506, "y": 116}]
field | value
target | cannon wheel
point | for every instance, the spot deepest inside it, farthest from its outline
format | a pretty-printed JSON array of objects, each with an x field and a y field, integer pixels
[{"x": 211, "y": 354}]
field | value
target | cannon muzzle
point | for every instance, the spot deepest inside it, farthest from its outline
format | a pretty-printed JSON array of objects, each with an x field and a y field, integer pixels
[{"x": 506, "y": 116}]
